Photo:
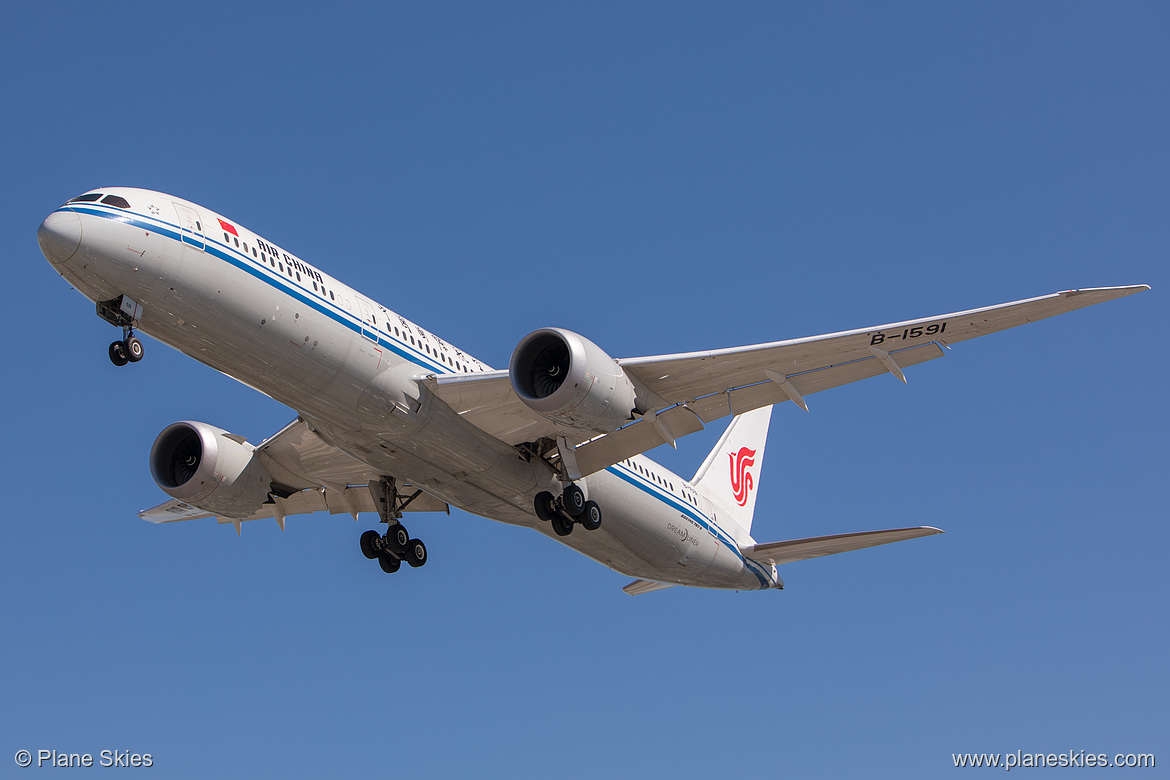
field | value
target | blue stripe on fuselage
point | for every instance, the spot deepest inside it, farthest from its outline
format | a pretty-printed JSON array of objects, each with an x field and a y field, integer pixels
[
  {"x": 345, "y": 318},
  {"x": 252, "y": 267},
  {"x": 693, "y": 513}
]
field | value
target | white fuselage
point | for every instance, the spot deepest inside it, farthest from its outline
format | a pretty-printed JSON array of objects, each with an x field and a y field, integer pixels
[{"x": 236, "y": 302}]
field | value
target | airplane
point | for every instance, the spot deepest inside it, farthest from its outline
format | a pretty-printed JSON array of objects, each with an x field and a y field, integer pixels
[{"x": 393, "y": 419}]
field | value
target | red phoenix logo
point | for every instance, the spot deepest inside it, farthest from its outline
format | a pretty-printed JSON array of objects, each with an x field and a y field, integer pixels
[{"x": 741, "y": 478}]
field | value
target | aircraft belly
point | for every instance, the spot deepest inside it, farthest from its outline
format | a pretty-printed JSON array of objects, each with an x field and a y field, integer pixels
[{"x": 365, "y": 401}]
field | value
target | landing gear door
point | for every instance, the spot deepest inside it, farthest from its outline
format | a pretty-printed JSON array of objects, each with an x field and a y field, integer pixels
[{"x": 190, "y": 226}]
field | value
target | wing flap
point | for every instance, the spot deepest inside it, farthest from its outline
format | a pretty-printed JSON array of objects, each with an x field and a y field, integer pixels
[
  {"x": 820, "y": 546},
  {"x": 300, "y": 459},
  {"x": 487, "y": 401},
  {"x": 643, "y": 435},
  {"x": 744, "y": 399},
  {"x": 172, "y": 512}
]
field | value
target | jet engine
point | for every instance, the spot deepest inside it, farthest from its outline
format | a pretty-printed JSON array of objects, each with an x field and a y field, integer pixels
[
  {"x": 210, "y": 469},
  {"x": 570, "y": 380}
]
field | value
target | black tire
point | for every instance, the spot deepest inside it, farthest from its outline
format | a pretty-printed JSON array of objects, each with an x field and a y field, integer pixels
[
  {"x": 574, "y": 498},
  {"x": 369, "y": 549},
  {"x": 590, "y": 518},
  {"x": 416, "y": 553},
  {"x": 545, "y": 509},
  {"x": 561, "y": 525},
  {"x": 399, "y": 536},
  {"x": 118, "y": 354},
  {"x": 389, "y": 563},
  {"x": 133, "y": 349}
]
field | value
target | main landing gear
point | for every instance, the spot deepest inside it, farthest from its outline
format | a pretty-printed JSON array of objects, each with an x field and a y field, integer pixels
[
  {"x": 394, "y": 546},
  {"x": 568, "y": 509}
]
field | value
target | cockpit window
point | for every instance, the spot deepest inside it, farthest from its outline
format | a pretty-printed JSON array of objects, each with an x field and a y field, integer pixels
[
  {"x": 87, "y": 198},
  {"x": 117, "y": 201}
]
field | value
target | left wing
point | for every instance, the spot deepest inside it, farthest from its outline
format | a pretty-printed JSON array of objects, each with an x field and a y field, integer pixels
[
  {"x": 321, "y": 478},
  {"x": 684, "y": 392}
]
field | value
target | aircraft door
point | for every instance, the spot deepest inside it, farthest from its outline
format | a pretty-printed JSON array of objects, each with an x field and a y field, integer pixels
[
  {"x": 190, "y": 226},
  {"x": 368, "y": 322}
]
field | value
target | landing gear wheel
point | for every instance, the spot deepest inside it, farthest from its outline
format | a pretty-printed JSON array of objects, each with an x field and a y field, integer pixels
[
  {"x": 389, "y": 563},
  {"x": 545, "y": 508},
  {"x": 399, "y": 536},
  {"x": 416, "y": 553},
  {"x": 118, "y": 354},
  {"x": 574, "y": 499},
  {"x": 590, "y": 518},
  {"x": 133, "y": 349},
  {"x": 368, "y": 542},
  {"x": 561, "y": 525}
]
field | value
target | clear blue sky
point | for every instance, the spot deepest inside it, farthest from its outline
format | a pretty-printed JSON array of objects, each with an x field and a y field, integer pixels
[{"x": 659, "y": 177}]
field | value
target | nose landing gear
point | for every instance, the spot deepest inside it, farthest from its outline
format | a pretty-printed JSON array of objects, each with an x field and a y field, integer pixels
[
  {"x": 129, "y": 350},
  {"x": 123, "y": 312}
]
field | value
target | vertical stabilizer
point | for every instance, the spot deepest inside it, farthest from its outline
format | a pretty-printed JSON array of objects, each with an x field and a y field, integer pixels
[{"x": 729, "y": 476}]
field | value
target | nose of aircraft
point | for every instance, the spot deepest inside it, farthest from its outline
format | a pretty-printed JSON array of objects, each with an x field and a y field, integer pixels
[{"x": 59, "y": 236}]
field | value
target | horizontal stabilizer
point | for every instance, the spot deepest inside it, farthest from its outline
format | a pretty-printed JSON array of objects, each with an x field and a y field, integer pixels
[
  {"x": 819, "y": 546},
  {"x": 638, "y": 587}
]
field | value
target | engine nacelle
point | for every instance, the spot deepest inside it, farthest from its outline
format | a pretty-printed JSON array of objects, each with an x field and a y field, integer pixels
[
  {"x": 569, "y": 379},
  {"x": 199, "y": 464}
]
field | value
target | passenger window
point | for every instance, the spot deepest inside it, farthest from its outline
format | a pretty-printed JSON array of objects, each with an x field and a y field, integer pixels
[{"x": 331, "y": 296}]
